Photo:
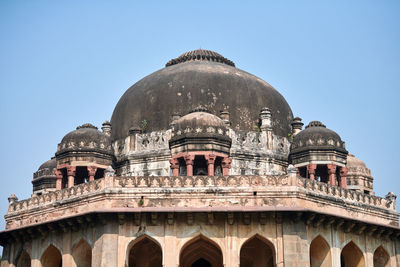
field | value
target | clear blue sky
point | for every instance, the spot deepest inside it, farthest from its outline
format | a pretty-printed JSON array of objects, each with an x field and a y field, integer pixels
[{"x": 64, "y": 64}]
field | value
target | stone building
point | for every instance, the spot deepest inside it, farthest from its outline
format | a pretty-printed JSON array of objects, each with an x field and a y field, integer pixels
[{"x": 202, "y": 164}]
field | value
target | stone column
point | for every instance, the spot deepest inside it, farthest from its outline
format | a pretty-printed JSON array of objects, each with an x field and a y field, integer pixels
[
  {"x": 92, "y": 172},
  {"x": 189, "y": 164},
  {"x": 343, "y": 177},
  {"x": 59, "y": 177},
  {"x": 174, "y": 164},
  {"x": 311, "y": 170},
  {"x": 210, "y": 163},
  {"x": 226, "y": 165},
  {"x": 71, "y": 171},
  {"x": 332, "y": 173}
]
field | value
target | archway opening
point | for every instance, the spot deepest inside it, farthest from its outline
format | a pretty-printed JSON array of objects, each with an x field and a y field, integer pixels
[
  {"x": 51, "y": 257},
  {"x": 145, "y": 253},
  {"x": 201, "y": 252},
  {"x": 200, "y": 166},
  {"x": 320, "y": 253},
  {"x": 24, "y": 260},
  {"x": 381, "y": 257},
  {"x": 257, "y": 252},
  {"x": 201, "y": 263},
  {"x": 351, "y": 256},
  {"x": 82, "y": 254}
]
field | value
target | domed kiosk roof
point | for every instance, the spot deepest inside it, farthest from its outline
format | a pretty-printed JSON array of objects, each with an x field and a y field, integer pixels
[
  {"x": 50, "y": 164},
  {"x": 316, "y": 135},
  {"x": 205, "y": 78},
  {"x": 85, "y": 138},
  {"x": 46, "y": 169},
  {"x": 199, "y": 118}
]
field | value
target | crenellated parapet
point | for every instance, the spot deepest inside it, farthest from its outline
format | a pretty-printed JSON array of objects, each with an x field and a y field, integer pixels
[{"x": 171, "y": 193}]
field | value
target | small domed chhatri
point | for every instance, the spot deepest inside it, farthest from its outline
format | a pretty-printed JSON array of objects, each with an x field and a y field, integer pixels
[
  {"x": 85, "y": 137},
  {"x": 202, "y": 164},
  {"x": 319, "y": 153},
  {"x": 44, "y": 179}
]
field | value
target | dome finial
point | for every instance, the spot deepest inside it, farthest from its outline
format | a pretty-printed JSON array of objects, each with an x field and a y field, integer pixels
[{"x": 200, "y": 55}]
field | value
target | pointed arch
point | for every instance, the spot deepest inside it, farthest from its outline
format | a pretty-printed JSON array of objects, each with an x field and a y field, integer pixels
[
  {"x": 320, "y": 253},
  {"x": 381, "y": 257},
  {"x": 257, "y": 251},
  {"x": 351, "y": 256},
  {"x": 200, "y": 249},
  {"x": 82, "y": 254},
  {"x": 24, "y": 260},
  {"x": 51, "y": 257},
  {"x": 144, "y": 251}
]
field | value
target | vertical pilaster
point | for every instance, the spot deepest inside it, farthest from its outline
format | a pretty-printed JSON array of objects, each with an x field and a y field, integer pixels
[
  {"x": 280, "y": 261},
  {"x": 231, "y": 243},
  {"x": 170, "y": 253}
]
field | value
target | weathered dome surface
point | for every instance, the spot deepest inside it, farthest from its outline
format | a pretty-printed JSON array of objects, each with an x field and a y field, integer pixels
[
  {"x": 316, "y": 135},
  {"x": 179, "y": 88},
  {"x": 85, "y": 138},
  {"x": 199, "y": 119},
  {"x": 46, "y": 169},
  {"x": 356, "y": 166},
  {"x": 50, "y": 164}
]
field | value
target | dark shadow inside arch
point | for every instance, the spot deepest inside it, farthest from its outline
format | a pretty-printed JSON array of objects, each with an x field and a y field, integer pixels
[
  {"x": 145, "y": 253},
  {"x": 257, "y": 251},
  {"x": 381, "y": 257},
  {"x": 351, "y": 256},
  {"x": 320, "y": 253},
  {"x": 82, "y": 254},
  {"x": 201, "y": 263},
  {"x": 24, "y": 260},
  {"x": 51, "y": 257}
]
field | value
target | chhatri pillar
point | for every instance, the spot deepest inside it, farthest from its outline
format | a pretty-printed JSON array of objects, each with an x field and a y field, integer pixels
[
  {"x": 71, "y": 171},
  {"x": 311, "y": 170},
  {"x": 59, "y": 176},
  {"x": 174, "y": 164},
  {"x": 92, "y": 172},
  {"x": 210, "y": 163},
  {"x": 189, "y": 159},
  {"x": 332, "y": 173},
  {"x": 343, "y": 177},
  {"x": 226, "y": 165}
]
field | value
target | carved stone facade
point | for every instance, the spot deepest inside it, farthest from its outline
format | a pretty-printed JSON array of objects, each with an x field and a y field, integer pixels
[{"x": 202, "y": 164}]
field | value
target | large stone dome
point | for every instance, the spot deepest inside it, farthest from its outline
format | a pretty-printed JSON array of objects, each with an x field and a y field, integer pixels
[{"x": 205, "y": 78}]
